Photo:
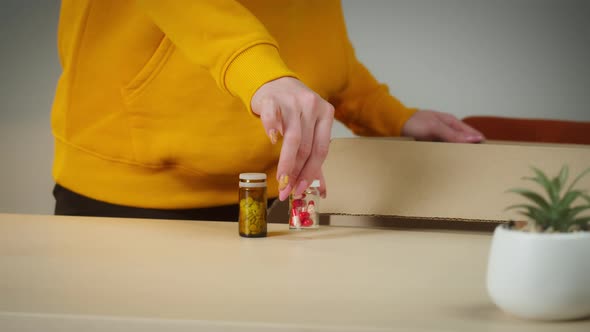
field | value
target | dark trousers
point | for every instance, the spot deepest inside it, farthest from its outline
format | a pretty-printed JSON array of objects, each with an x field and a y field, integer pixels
[{"x": 69, "y": 203}]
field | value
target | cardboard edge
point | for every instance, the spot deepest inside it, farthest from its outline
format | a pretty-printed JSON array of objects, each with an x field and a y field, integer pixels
[
  {"x": 278, "y": 213},
  {"x": 414, "y": 218},
  {"x": 399, "y": 222},
  {"x": 486, "y": 142}
]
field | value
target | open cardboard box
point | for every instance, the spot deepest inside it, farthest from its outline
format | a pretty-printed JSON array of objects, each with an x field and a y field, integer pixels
[{"x": 403, "y": 183}]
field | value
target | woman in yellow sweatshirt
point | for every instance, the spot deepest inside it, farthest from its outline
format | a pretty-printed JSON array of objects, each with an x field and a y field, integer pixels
[{"x": 161, "y": 104}]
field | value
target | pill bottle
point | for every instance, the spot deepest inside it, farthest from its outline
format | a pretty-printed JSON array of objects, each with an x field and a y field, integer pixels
[
  {"x": 253, "y": 205},
  {"x": 304, "y": 210}
]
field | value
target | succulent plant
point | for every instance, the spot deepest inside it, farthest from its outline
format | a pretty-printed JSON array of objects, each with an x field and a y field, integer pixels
[{"x": 555, "y": 211}]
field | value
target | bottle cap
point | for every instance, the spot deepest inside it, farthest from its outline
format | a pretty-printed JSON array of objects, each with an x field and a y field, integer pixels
[
  {"x": 252, "y": 180},
  {"x": 252, "y": 176}
]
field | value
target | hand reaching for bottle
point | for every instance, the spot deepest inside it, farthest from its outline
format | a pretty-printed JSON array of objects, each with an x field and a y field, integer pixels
[{"x": 289, "y": 108}]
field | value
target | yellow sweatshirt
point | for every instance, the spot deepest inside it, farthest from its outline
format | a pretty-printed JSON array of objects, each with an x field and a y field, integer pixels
[{"x": 152, "y": 107}]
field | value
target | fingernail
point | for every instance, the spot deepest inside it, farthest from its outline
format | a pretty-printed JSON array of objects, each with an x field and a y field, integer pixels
[
  {"x": 301, "y": 187},
  {"x": 470, "y": 138},
  {"x": 283, "y": 182},
  {"x": 284, "y": 194},
  {"x": 273, "y": 136}
]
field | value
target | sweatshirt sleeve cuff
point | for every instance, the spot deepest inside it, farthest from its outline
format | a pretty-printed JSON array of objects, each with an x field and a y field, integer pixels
[
  {"x": 385, "y": 118},
  {"x": 252, "y": 68}
]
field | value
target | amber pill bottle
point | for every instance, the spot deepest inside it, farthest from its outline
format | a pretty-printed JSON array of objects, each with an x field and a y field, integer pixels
[{"x": 253, "y": 205}]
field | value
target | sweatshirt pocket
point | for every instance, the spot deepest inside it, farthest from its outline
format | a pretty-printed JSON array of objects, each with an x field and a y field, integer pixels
[
  {"x": 178, "y": 117},
  {"x": 138, "y": 84}
]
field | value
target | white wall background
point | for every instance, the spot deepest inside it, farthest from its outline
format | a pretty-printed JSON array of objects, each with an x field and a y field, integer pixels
[
  {"x": 29, "y": 70},
  {"x": 518, "y": 58}
]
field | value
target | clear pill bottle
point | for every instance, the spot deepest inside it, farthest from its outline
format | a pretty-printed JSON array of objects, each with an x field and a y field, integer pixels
[
  {"x": 304, "y": 210},
  {"x": 253, "y": 205}
]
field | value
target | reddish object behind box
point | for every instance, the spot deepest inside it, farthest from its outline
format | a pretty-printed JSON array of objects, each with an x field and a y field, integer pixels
[{"x": 531, "y": 130}]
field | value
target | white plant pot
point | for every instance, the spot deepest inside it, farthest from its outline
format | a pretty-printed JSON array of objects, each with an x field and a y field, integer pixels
[{"x": 543, "y": 276}]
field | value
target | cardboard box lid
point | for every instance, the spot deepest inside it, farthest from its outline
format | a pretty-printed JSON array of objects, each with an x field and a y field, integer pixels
[{"x": 388, "y": 177}]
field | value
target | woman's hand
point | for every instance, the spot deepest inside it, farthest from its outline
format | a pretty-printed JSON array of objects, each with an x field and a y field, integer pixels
[
  {"x": 437, "y": 126},
  {"x": 289, "y": 108}
]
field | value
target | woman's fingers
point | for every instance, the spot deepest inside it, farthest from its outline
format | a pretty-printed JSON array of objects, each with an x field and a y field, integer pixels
[
  {"x": 286, "y": 106},
  {"x": 271, "y": 120},
  {"x": 319, "y": 150}
]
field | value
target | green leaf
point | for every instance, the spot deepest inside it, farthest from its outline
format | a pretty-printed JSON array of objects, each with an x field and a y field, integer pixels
[
  {"x": 534, "y": 197},
  {"x": 578, "y": 178},
  {"x": 582, "y": 220},
  {"x": 562, "y": 178},
  {"x": 576, "y": 210},
  {"x": 568, "y": 199},
  {"x": 524, "y": 206},
  {"x": 554, "y": 218},
  {"x": 537, "y": 180},
  {"x": 558, "y": 209},
  {"x": 538, "y": 220},
  {"x": 536, "y": 215},
  {"x": 547, "y": 184}
]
